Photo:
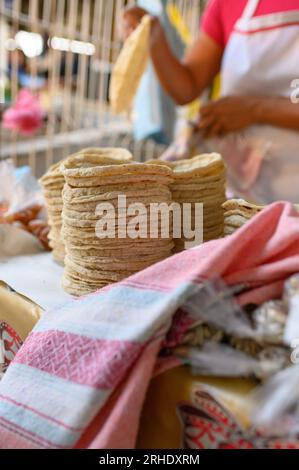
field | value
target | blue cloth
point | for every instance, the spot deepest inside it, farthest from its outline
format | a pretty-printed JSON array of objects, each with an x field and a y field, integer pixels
[{"x": 154, "y": 111}]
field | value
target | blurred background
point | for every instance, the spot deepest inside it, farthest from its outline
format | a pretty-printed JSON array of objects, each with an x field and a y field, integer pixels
[{"x": 56, "y": 57}]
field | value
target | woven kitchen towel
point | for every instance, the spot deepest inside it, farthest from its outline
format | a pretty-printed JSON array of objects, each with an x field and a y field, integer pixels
[{"x": 80, "y": 378}]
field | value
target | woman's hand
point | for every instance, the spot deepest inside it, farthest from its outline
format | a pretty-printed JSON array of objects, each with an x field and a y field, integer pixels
[
  {"x": 130, "y": 19},
  {"x": 228, "y": 114}
]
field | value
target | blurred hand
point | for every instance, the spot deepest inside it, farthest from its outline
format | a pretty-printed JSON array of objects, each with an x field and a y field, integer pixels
[
  {"x": 229, "y": 114},
  {"x": 130, "y": 19}
]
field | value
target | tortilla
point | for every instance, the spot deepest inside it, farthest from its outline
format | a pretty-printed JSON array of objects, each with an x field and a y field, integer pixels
[{"x": 129, "y": 67}]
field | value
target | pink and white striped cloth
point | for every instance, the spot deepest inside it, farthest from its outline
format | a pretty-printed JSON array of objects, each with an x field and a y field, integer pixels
[{"x": 80, "y": 379}]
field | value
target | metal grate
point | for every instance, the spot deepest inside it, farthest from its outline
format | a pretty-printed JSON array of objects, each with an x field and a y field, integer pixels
[{"x": 75, "y": 91}]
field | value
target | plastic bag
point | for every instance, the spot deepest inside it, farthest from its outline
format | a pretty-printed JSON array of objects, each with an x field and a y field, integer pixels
[
  {"x": 275, "y": 405},
  {"x": 219, "y": 360},
  {"x": 214, "y": 304},
  {"x": 225, "y": 340},
  {"x": 21, "y": 201},
  {"x": 19, "y": 189},
  {"x": 291, "y": 296}
]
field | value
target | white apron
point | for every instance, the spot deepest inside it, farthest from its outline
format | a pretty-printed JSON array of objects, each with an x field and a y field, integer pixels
[{"x": 262, "y": 58}]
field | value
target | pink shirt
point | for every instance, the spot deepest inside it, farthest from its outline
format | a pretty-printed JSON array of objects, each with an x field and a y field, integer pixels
[{"x": 220, "y": 16}]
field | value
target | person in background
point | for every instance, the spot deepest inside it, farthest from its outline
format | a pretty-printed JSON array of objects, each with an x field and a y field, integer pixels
[
  {"x": 154, "y": 112},
  {"x": 254, "y": 44}
]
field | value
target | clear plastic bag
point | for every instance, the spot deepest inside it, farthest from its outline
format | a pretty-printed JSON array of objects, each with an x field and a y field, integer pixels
[
  {"x": 219, "y": 360},
  {"x": 21, "y": 201},
  {"x": 227, "y": 341},
  {"x": 19, "y": 189},
  {"x": 224, "y": 340},
  {"x": 275, "y": 405},
  {"x": 291, "y": 296},
  {"x": 215, "y": 304}
]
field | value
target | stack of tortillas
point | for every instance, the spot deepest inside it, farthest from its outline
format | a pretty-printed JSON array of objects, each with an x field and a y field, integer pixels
[
  {"x": 201, "y": 179},
  {"x": 100, "y": 248},
  {"x": 129, "y": 67},
  {"x": 52, "y": 184},
  {"x": 237, "y": 213}
]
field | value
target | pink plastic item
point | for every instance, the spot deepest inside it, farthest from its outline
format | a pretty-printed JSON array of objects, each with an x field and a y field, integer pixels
[{"x": 26, "y": 116}]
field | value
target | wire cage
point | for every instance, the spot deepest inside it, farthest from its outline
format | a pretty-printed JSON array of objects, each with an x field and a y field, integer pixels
[{"x": 65, "y": 50}]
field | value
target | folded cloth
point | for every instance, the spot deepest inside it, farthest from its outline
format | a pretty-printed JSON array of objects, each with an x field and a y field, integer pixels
[{"x": 80, "y": 378}]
